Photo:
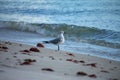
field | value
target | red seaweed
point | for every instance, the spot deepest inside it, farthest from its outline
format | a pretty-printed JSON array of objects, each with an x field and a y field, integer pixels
[
  {"x": 34, "y": 49},
  {"x": 70, "y": 54},
  {"x": 91, "y": 64},
  {"x": 92, "y": 76},
  {"x": 40, "y": 45},
  {"x": 28, "y": 62},
  {"x": 74, "y": 61},
  {"x": 25, "y": 50}
]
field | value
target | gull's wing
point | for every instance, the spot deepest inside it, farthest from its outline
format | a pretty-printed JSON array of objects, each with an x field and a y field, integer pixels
[{"x": 55, "y": 41}]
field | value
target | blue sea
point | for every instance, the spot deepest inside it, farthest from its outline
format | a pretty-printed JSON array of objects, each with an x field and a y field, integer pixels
[{"x": 91, "y": 26}]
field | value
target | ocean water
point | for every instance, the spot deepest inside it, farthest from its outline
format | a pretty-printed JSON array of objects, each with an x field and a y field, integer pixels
[
  {"x": 91, "y": 26},
  {"x": 103, "y": 14}
]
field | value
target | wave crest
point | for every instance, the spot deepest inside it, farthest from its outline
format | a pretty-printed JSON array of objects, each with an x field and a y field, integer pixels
[{"x": 93, "y": 35}]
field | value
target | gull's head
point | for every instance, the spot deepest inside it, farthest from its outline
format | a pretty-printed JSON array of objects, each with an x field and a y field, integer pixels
[{"x": 62, "y": 32}]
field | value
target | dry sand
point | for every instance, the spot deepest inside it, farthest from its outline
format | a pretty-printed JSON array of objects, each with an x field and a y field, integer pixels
[{"x": 26, "y": 62}]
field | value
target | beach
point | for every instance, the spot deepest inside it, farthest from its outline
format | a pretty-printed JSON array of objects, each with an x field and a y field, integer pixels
[
  {"x": 91, "y": 27},
  {"x": 91, "y": 50},
  {"x": 26, "y": 62}
]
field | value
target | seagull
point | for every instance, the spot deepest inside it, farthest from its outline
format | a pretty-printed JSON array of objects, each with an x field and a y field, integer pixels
[{"x": 57, "y": 41}]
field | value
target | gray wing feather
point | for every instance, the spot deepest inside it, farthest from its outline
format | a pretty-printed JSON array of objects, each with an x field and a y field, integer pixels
[{"x": 55, "y": 41}]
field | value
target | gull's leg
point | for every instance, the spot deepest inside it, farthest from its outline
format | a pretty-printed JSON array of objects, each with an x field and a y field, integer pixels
[{"x": 58, "y": 47}]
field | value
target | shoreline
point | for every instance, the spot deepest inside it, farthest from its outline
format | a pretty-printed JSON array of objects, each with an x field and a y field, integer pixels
[
  {"x": 19, "y": 59},
  {"x": 22, "y": 32},
  {"x": 49, "y": 48}
]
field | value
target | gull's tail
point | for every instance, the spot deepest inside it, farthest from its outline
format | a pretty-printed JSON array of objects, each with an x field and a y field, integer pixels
[{"x": 46, "y": 42}]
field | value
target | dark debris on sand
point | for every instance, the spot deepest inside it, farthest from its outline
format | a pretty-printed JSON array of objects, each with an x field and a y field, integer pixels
[
  {"x": 91, "y": 64},
  {"x": 70, "y": 54},
  {"x": 75, "y": 61},
  {"x": 52, "y": 57},
  {"x": 71, "y": 60},
  {"x": 81, "y": 73},
  {"x": 8, "y": 43},
  {"x": 28, "y": 61},
  {"x": 40, "y": 45},
  {"x": 47, "y": 69},
  {"x": 82, "y": 61},
  {"x": 34, "y": 49},
  {"x": 3, "y": 48},
  {"x": 25, "y": 51},
  {"x": 113, "y": 79},
  {"x": 92, "y": 76},
  {"x": 104, "y": 71}
]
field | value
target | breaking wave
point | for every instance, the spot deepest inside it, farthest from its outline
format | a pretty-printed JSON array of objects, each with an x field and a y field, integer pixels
[{"x": 102, "y": 37}]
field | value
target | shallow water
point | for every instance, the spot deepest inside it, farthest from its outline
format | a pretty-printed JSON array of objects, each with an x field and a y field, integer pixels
[
  {"x": 93, "y": 35},
  {"x": 70, "y": 46}
]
